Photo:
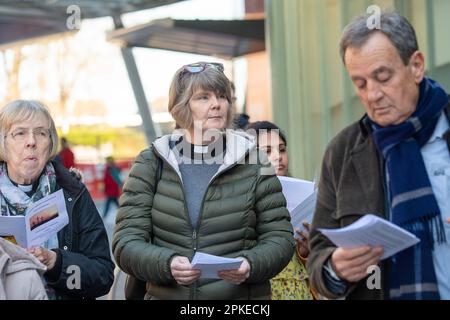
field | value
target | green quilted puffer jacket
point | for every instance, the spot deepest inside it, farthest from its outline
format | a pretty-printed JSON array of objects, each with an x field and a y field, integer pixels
[{"x": 243, "y": 215}]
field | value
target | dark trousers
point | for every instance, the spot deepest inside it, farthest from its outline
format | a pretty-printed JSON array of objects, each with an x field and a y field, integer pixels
[{"x": 109, "y": 200}]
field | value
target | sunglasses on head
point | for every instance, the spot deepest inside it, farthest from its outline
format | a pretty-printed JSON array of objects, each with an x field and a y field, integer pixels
[{"x": 199, "y": 67}]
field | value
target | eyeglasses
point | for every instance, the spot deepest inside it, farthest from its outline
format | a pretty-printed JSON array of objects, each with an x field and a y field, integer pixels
[
  {"x": 199, "y": 67},
  {"x": 21, "y": 134}
]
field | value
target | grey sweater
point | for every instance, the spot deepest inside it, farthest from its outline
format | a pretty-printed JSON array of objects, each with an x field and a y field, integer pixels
[
  {"x": 196, "y": 178},
  {"x": 198, "y": 164}
]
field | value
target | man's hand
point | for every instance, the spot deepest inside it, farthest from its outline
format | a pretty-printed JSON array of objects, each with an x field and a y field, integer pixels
[
  {"x": 47, "y": 257},
  {"x": 351, "y": 264},
  {"x": 303, "y": 240},
  {"x": 182, "y": 271},
  {"x": 448, "y": 220},
  {"x": 236, "y": 276}
]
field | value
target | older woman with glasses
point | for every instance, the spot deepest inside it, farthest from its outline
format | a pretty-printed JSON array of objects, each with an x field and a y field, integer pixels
[
  {"x": 77, "y": 259},
  {"x": 202, "y": 189}
]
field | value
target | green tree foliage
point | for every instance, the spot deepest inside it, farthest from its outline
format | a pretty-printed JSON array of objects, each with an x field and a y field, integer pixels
[{"x": 127, "y": 142}]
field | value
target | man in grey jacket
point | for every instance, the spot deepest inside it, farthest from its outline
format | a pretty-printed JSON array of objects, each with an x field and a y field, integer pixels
[{"x": 394, "y": 163}]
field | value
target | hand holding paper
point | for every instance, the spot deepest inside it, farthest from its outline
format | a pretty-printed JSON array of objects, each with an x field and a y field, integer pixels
[
  {"x": 210, "y": 265},
  {"x": 236, "y": 276},
  {"x": 302, "y": 239},
  {"x": 351, "y": 264},
  {"x": 364, "y": 243},
  {"x": 182, "y": 271},
  {"x": 47, "y": 257},
  {"x": 373, "y": 231}
]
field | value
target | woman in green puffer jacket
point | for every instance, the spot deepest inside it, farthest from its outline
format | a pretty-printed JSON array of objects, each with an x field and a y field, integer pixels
[{"x": 202, "y": 189}]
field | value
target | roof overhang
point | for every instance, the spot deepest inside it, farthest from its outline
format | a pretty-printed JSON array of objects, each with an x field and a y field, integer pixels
[
  {"x": 27, "y": 20},
  {"x": 222, "y": 38}
]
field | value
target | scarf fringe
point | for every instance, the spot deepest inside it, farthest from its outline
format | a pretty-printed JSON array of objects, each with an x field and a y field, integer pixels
[{"x": 434, "y": 229}]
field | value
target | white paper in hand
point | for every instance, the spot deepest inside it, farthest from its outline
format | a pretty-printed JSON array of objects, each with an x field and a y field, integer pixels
[
  {"x": 373, "y": 231},
  {"x": 210, "y": 264},
  {"x": 301, "y": 200},
  {"x": 43, "y": 219}
]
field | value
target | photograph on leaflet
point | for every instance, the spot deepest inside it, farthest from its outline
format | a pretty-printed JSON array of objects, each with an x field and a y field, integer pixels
[{"x": 43, "y": 216}]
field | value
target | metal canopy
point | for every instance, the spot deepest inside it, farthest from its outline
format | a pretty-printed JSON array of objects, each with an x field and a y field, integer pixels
[
  {"x": 222, "y": 38},
  {"x": 27, "y": 20},
  {"x": 22, "y": 20},
  {"x": 13, "y": 30}
]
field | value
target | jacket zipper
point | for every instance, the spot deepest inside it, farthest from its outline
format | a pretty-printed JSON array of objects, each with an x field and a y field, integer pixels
[
  {"x": 194, "y": 233},
  {"x": 74, "y": 201},
  {"x": 71, "y": 233},
  {"x": 195, "y": 229}
]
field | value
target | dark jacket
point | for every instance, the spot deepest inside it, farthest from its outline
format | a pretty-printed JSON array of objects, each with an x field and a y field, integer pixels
[
  {"x": 350, "y": 186},
  {"x": 82, "y": 243},
  {"x": 243, "y": 215}
]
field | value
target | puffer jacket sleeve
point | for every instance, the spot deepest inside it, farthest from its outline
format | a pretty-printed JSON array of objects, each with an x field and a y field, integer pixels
[
  {"x": 92, "y": 256},
  {"x": 276, "y": 243},
  {"x": 132, "y": 246}
]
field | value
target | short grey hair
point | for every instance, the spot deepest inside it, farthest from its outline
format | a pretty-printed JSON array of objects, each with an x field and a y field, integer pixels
[
  {"x": 394, "y": 26},
  {"x": 23, "y": 110}
]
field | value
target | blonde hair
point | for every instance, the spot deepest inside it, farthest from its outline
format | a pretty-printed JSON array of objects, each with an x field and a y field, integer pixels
[
  {"x": 185, "y": 84},
  {"x": 23, "y": 110}
]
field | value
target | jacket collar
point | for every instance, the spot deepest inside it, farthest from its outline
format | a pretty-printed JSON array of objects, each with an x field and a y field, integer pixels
[
  {"x": 364, "y": 125},
  {"x": 239, "y": 145},
  {"x": 64, "y": 179}
]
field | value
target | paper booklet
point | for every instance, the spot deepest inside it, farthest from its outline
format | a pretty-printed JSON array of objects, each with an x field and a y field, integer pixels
[
  {"x": 42, "y": 220},
  {"x": 301, "y": 197},
  {"x": 373, "y": 231},
  {"x": 210, "y": 264}
]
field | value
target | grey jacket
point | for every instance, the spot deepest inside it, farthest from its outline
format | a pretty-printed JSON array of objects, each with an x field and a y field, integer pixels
[{"x": 20, "y": 274}]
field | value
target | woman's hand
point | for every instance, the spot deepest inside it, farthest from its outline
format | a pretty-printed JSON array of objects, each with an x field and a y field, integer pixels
[
  {"x": 182, "y": 271},
  {"x": 236, "y": 276},
  {"x": 47, "y": 257},
  {"x": 303, "y": 240}
]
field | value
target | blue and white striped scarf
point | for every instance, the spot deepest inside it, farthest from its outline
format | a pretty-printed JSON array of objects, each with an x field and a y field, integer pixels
[{"x": 412, "y": 202}]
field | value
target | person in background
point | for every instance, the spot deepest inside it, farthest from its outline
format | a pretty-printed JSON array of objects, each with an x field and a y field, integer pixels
[
  {"x": 66, "y": 155},
  {"x": 292, "y": 283},
  {"x": 210, "y": 196},
  {"x": 241, "y": 121},
  {"x": 112, "y": 183},
  {"x": 28, "y": 143}
]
